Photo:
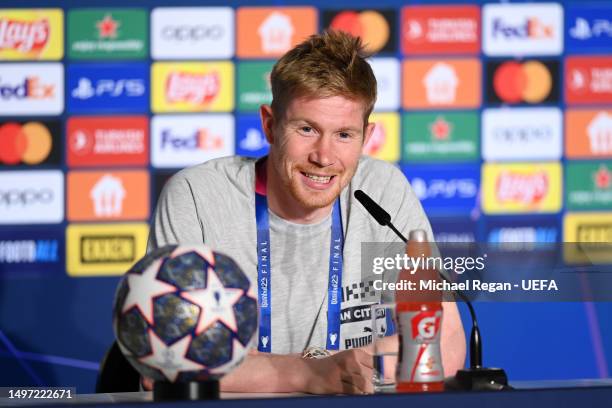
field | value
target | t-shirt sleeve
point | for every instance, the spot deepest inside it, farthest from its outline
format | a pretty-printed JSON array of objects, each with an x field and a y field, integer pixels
[{"x": 176, "y": 219}]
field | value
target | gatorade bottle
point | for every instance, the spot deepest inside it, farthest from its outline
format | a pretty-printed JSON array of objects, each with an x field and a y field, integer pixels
[{"x": 419, "y": 319}]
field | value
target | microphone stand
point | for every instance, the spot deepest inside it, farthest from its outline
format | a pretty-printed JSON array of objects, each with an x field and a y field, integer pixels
[{"x": 476, "y": 377}]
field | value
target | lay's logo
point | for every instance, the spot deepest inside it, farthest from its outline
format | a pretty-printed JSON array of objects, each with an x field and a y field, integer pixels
[
  {"x": 521, "y": 188},
  {"x": 31, "y": 34},
  {"x": 192, "y": 88},
  {"x": 24, "y": 36},
  {"x": 528, "y": 189}
]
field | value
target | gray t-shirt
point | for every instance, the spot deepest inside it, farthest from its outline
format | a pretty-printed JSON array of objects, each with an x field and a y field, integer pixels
[{"x": 214, "y": 203}]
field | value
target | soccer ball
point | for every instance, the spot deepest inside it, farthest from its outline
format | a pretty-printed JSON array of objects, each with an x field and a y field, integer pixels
[{"x": 185, "y": 314}]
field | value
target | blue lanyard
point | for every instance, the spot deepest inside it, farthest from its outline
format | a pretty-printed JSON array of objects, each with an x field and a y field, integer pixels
[{"x": 264, "y": 280}]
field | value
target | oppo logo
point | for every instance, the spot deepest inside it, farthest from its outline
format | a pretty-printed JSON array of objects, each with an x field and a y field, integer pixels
[
  {"x": 26, "y": 196},
  {"x": 192, "y": 33}
]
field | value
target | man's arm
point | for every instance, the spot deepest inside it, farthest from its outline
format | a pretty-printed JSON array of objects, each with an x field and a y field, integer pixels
[
  {"x": 452, "y": 339},
  {"x": 346, "y": 372}
]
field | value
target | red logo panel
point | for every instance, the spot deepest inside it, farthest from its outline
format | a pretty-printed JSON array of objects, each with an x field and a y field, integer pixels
[
  {"x": 440, "y": 30},
  {"x": 95, "y": 141},
  {"x": 588, "y": 80}
]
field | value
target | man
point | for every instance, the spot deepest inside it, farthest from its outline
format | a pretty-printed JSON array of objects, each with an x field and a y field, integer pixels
[{"x": 298, "y": 204}]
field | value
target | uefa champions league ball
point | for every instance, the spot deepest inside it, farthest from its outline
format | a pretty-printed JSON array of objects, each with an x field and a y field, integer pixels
[{"x": 185, "y": 314}]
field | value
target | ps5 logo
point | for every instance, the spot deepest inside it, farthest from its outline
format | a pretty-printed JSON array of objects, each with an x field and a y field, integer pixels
[
  {"x": 582, "y": 30},
  {"x": 109, "y": 88}
]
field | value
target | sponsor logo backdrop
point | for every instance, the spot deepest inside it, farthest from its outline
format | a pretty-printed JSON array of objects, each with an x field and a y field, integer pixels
[{"x": 500, "y": 115}]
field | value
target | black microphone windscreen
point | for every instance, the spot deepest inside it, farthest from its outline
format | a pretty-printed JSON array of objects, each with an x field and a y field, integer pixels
[{"x": 374, "y": 209}]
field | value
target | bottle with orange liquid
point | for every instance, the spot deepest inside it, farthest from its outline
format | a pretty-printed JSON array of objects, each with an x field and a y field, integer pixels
[{"x": 419, "y": 320}]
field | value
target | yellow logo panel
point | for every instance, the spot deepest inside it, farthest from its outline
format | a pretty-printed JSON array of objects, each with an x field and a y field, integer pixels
[
  {"x": 192, "y": 87},
  {"x": 521, "y": 188},
  {"x": 104, "y": 249},
  {"x": 384, "y": 143},
  {"x": 588, "y": 238},
  {"x": 31, "y": 34}
]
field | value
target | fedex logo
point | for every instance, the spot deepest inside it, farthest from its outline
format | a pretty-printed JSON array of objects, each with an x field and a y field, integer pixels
[
  {"x": 178, "y": 141},
  {"x": 108, "y": 88},
  {"x": 513, "y": 29},
  {"x": 32, "y": 87},
  {"x": 530, "y": 28},
  {"x": 201, "y": 139}
]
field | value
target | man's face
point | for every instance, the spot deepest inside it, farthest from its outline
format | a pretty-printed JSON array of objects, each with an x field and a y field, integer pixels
[{"x": 315, "y": 147}]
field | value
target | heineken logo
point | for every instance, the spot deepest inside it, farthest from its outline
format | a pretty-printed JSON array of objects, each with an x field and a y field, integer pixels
[
  {"x": 602, "y": 178},
  {"x": 107, "y": 27},
  {"x": 440, "y": 129}
]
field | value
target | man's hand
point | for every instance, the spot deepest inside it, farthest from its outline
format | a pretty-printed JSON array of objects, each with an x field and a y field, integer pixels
[{"x": 346, "y": 372}]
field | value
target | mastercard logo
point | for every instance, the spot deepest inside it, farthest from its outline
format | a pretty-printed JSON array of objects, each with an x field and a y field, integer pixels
[
  {"x": 28, "y": 143},
  {"x": 516, "y": 82},
  {"x": 370, "y": 25}
]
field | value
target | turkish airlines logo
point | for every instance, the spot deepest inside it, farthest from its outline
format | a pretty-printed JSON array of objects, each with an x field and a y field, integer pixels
[
  {"x": 440, "y": 29},
  {"x": 522, "y": 29},
  {"x": 110, "y": 140},
  {"x": 193, "y": 88},
  {"x": 22, "y": 35},
  {"x": 588, "y": 80},
  {"x": 530, "y": 82},
  {"x": 29, "y": 143},
  {"x": 522, "y": 188}
]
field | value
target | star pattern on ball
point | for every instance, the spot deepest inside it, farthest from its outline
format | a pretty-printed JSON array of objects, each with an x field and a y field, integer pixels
[
  {"x": 170, "y": 359},
  {"x": 203, "y": 251},
  {"x": 143, "y": 289},
  {"x": 237, "y": 349},
  {"x": 215, "y": 301}
]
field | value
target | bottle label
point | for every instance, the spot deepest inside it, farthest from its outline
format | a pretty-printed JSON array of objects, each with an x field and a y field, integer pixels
[{"x": 420, "y": 354}]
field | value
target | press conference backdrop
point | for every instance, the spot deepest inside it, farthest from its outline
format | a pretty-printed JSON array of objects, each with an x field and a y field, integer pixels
[{"x": 500, "y": 116}]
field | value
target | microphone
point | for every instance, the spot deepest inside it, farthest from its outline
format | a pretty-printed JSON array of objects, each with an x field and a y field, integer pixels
[{"x": 476, "y": 377}]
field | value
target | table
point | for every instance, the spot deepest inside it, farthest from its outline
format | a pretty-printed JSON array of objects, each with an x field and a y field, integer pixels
[{"x": 550, "y": 393}]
